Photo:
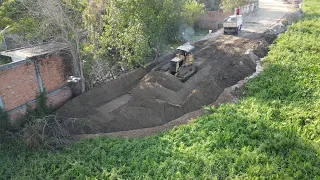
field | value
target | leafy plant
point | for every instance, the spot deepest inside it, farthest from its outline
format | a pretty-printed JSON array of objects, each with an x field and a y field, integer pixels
[
  {"x": 4, "y": 59},
  {"x": 41, "y": 109},
  {"x": 5, "y": 122},
  {"x": 228, "y": 5}
]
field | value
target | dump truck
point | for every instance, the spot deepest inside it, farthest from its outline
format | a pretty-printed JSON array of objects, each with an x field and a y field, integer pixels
[
  {"x": 182, "y": 66},
  {"x": 232, "y": 24}
]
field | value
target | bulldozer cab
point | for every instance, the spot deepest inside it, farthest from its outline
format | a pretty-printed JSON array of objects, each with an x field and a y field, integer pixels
[
  {"x": 183, "y": 58},
  {"x": 175, "y": 64}
]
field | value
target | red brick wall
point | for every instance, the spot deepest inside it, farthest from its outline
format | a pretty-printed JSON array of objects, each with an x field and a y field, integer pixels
[
  {"x": 209, "y": 19},
  {"x": 215, "y": 16},
  {"x": 18, "y": 85},
  {"x": 54, "y": 72},
  {"x": 55, "y": 100},
  {"x": 59, "y": 98}
]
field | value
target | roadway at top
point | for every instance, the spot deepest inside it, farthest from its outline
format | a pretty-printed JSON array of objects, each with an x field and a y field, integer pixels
[{"x": 269, "y": 12}]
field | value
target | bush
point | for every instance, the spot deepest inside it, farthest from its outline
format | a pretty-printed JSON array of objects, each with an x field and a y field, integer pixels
[
  {"x": 5, "y": 123},
  {"x": 51, "y": 131},
  {"x": 43, "y": 129},
  {"x": 42, "y": 109},
  {"x": 4, "y": 59}
]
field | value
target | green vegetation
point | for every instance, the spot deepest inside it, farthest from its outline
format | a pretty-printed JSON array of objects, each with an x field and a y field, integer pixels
[
  {"x": 127, "y": 33},
  {"x": 228, "y": 5},
  {"x": 4, "y": 120},
  {"x": 273, "y": 132},
  {"x": 4, "y": 60},
  {"x": 199, "y": 33},
  {"x": 41, "y": 109},
  {"x": 15, "y": 16},
  {"x": 211, "y": 5}
]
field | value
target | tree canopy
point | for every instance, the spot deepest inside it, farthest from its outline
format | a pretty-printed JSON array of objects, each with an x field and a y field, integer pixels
[{"x": 228, "y": 5}]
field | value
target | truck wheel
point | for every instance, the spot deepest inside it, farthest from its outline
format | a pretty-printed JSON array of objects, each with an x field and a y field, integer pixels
[{"x": 237, "y": 31}]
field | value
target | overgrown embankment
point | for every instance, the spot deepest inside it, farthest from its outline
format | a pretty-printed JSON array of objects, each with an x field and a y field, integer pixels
[{"x": 272, "y": 132}]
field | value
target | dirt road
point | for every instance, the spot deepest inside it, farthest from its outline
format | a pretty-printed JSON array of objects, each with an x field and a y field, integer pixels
[
  {"x": 269, "y": 13},
  {"x": 160, "y": 102}
]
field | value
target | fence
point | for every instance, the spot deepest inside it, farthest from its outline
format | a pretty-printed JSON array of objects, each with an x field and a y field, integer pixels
[{"x": 247, "y": 8}]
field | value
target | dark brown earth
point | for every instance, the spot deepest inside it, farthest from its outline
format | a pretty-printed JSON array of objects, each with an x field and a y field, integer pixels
[{"x": 174, "y": 103}]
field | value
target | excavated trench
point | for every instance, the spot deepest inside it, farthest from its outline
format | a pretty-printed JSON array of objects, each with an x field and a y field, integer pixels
[
  {"x": 148, "y": 97},
  {"x": 159, "y": 97}
]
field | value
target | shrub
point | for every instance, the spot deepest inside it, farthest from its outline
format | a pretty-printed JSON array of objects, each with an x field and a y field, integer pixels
[
  {"x": 42, "y": 108},
  {"x": 5, "y": 122},
  {"x": 52, "y": 132},
  {"x": 49, "y": 131}
]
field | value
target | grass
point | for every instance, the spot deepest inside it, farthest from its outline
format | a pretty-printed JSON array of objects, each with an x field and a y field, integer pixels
[{"x": 272, "y": 133}]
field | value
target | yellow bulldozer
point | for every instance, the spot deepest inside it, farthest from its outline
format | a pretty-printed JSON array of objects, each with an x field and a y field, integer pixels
[{"x": 182, "y": 66}]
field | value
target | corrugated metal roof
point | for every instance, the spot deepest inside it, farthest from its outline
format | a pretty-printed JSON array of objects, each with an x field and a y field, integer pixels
[
  {"x": 186, "y": 47},
  {"x": 24, "y": 53}
]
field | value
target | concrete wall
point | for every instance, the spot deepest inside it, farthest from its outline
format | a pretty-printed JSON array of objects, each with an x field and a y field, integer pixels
[{"x": 20, "y": 82}]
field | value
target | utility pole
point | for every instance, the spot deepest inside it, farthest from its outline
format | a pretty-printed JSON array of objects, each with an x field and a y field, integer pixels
[{"x": 217, "y": 22}]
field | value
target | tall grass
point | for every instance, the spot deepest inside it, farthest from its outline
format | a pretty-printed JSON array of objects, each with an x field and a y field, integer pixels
[{"x": 273, "y": 132}]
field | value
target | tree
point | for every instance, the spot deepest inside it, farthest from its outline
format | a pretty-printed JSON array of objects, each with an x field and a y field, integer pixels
[
  {"x": 229, "y": 5},
  {"x": 131, "y": 29},
  {"x": 59, "y": 21},
  {"x": 210, "y": 4},
  {"x": 16, "y": 20},
  {"x": 192, "y": 11}
]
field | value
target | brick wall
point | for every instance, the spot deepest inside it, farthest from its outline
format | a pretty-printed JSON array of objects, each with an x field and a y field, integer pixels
[
  {"x": 55, "y": 99},
  {"x": 54, "y": 72},
  {"x": 18, "y": 85},
  {"x": 210, "y": 18},
  {"x": 19, "y": 82}
]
